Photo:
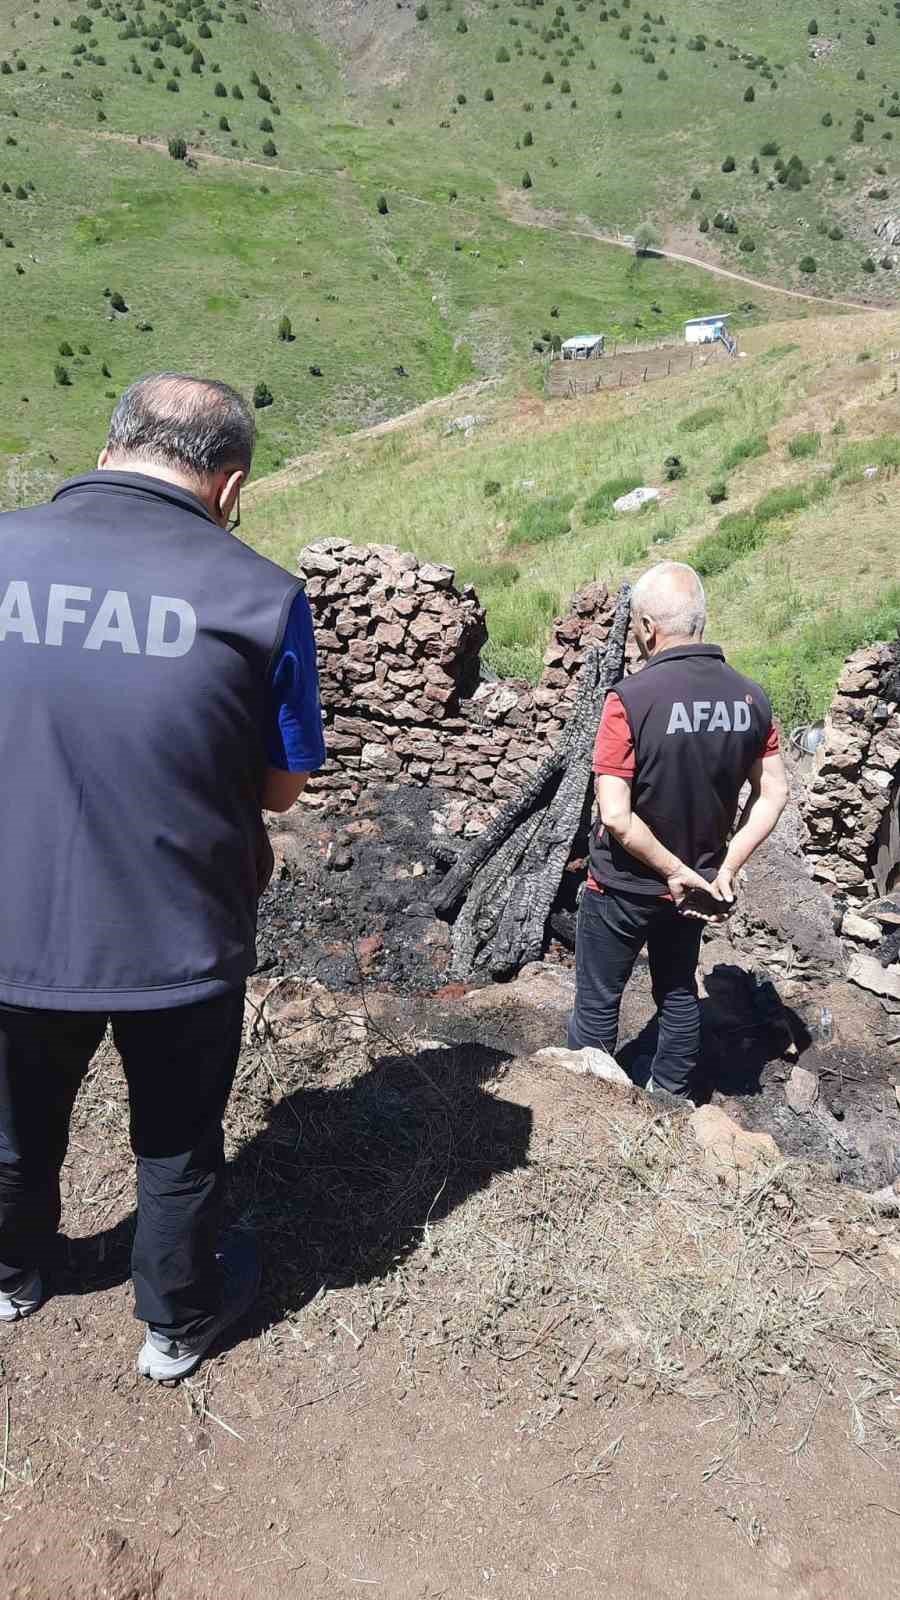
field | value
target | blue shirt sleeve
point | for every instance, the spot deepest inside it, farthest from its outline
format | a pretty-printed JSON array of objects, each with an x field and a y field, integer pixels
[{"x": 294, "y": 738}]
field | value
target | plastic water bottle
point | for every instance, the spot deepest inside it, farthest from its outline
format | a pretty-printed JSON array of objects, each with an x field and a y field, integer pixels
[{"x": 826, "y": 1025}]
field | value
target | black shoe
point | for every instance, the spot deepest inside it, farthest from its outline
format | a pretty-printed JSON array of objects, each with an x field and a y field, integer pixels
[{"x": 164, "y": 1359}]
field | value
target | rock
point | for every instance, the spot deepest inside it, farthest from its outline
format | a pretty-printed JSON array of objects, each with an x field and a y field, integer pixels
[
  {"x": 886, "y": 1199},
  {"x": 340, "y": 859},
  {"x": 801, "y": 1090},
  {"x": 888, "y": 229},
  {"x": 868, "y": 973},
  {"x": 436, "y": 575},
  {"x": 854, "y": 926},
  {"x": 380, "y": 758},
  {"x": 465, "y": 424},
  {"x": 591, "y": 1063},
  {"x": 318, "y": 563},
  {"x": 728, "y": 1149},
  {"x": 635, "y": 500}
]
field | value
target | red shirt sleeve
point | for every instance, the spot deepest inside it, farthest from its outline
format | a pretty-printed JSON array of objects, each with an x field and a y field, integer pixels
[
  {"x": 614, "y": 750},
  {"x": 772, "y": 744}
]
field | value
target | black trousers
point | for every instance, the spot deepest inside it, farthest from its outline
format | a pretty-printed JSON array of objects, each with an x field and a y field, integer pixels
[
  {"x": 180, "y": 1066},
  {"x": 612, "y": 932}
]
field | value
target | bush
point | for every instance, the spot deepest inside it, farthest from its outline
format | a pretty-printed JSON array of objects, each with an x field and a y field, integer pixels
[
  {"x": 489, "y": 95},
  {"x": 695, "y": 193},
  {"x": 807, "y": 264},
  {"x": 770, "y": 148},
  {"x": 812, "y": 27},
  {"x": 526, "y": 180},
  {"x": 835, "y": 233},
  {"x": 285, "y": 331},
  {"x": 804, "y": 445},
  {"x": 262, "y": 396},
  {"x": 616, "y": 88},
  {"x": 269, "y": 148},
  {"x": 703, "y": 224},
  {"x": 462, "y": 26},
  {"x": 503, "y": 54},
  {"x": 674, "y": 468},
  {"x": 237, "y": 92},
  {"x": 756, "y": 444},
  {"x": 172, "y": 86},
  {"x": 599, "y": 505},
  {"x": 382, "y": 205},
  {"x": 868, "y": 265},
  {"x": 749, "y": 94},
  {"x": 61, "y": 376},
  {"x": 528, "y": 139},
  {"x": 65, "y": 348},
  {"x": 117, "y": 301},
  {"x": 544, "y": 520},
  {"x": 492, "y": 488},
  {"x": 728, "y": 164},
  {"x": 421, "y": 13},
  {"x": 266, "y": 125},
  {"x": 548, "y": 76},
  {"x": 878, "y": 194},
  {"x": 827, "y": 120},
  {"x": 696, "y": 421},
  {"x": 717, "y": 492},
  {"x": 178, "y": 149},
  {"x": 224, "y": 125}
]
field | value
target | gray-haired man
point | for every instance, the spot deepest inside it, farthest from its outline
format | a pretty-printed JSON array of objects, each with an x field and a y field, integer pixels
[
  {"x": 159, "y": 691},
  {"x": 676, "y": 744}
]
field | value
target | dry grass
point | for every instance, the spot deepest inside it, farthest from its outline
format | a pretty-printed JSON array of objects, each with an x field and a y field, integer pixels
[{"x": 475, "y": 1209}]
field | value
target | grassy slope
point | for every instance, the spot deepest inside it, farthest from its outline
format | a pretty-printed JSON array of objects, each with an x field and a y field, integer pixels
[
  {"x": 824, "y": 578},
  {"x": 211, "y": 256}
]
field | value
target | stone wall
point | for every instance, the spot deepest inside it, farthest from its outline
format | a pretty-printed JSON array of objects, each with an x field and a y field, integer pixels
[
  {"x": 853, "y": 794},
  {"x": 402, "y": 690}
]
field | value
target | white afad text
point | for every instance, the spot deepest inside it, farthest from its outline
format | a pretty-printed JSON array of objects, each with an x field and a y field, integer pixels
[{"x": 73, "y": 616}]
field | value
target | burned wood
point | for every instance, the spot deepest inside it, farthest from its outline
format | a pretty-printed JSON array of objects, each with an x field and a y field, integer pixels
[{"x": 504, "y": 884}]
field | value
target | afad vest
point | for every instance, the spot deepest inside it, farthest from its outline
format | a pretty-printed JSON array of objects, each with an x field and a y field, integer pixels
[
  {"x": 698, "y": 728},
  {"x": 136, "y": 639}
]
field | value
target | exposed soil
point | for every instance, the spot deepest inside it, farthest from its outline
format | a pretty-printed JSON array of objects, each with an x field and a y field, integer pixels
[
  {"x": 513, "y": 1340},
  {"x": 349, "y": 908}
]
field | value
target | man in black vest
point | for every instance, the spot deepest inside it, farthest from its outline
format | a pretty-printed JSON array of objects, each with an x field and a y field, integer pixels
[
  {"x": 159, "y": 692},
  {"x": 676, "y": 744}
]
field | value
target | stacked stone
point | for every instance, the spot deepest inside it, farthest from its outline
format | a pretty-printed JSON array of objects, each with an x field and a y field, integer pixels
[
  {"x": 852, "y": 799},
  {"x": 399, "y": 660}
]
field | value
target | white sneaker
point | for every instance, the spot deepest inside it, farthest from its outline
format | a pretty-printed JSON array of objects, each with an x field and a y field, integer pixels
[
  {"x": 166, "y": 1360},
  {"x": 24, "y": 1301}
]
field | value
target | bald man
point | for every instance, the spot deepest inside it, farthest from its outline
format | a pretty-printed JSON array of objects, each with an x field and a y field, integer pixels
[
  {"x": 159, "y": 691},
  {"x": 676, "y": 744}
]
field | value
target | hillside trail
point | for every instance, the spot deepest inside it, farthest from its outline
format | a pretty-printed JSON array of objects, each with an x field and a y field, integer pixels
[
  {"x": 518, "y": 210},
  {"x": 303, "y": 468},
  {"x": 514, "y": 207}
]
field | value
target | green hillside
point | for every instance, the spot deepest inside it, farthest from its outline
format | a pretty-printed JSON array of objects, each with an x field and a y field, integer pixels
[
  {"x": 773, "y": 502},
  {"x": 346, "y": 168}
]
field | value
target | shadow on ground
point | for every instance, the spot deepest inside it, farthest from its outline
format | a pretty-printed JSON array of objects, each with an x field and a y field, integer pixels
[
  {"x": 342, "y": 1182},
  {"x": 744, "y": 1027}
]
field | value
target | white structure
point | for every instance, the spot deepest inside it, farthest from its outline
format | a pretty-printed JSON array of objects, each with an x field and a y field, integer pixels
[
  {"x": 584, "y": 347},
  {"x": 704, "y": 330}
]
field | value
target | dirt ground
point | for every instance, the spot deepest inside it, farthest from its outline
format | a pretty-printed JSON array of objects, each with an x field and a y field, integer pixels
[
  {"x": 437, "y": 1398},
  {"x": 515, "y": 1338}
]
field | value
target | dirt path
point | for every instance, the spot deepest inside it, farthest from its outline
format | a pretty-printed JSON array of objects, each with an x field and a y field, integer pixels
[
  {"x": 305, "y": 467},
  {"x": 518, "y": 210}
]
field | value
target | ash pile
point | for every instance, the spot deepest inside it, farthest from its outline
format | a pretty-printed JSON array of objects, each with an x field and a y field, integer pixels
[{"x": 349, "y": 899}]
